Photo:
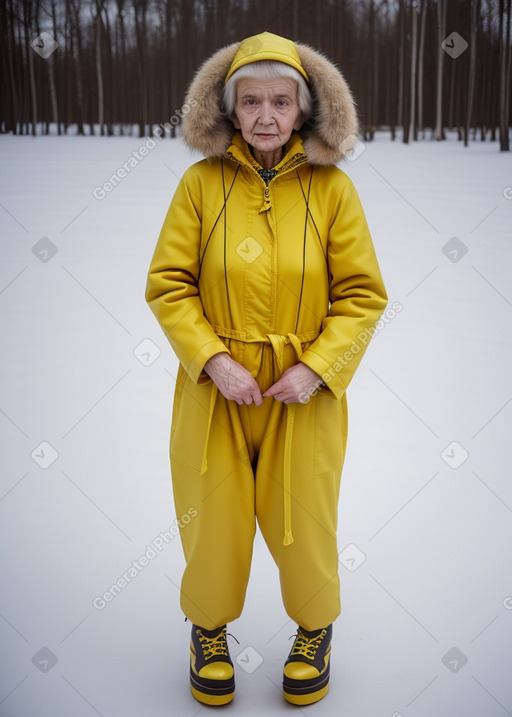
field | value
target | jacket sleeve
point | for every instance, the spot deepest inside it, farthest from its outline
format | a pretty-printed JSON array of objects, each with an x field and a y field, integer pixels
[
  {"x": 357, "y": 296},
  {"x": 172, "y": 286}
]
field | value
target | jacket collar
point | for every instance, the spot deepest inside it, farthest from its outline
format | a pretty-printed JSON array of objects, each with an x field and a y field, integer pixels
[{"x": 293, "y": 154}]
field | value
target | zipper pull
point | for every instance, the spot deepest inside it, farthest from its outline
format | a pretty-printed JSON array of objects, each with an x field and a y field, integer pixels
[{"x": 267, "y": 174}]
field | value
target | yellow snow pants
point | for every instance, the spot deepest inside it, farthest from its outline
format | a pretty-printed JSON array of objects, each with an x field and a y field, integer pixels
[{"x": 279, "y": 464}]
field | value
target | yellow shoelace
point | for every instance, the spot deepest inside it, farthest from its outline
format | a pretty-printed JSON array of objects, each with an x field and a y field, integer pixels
[
  {"x": 305, "y": 646},
  {"x": 213, "y": 645}
]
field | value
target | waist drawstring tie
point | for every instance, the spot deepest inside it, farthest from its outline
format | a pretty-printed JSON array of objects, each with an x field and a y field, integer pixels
[
  {"x": 213, "y": 398},
  {"x": 278, "y": 342}
]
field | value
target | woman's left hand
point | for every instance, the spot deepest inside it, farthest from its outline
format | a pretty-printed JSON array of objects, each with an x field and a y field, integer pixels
[{"x": 295, "y": 385}]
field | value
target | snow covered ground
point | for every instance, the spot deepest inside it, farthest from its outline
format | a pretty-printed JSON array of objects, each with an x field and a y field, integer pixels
[{"x": 425, "y": 533}]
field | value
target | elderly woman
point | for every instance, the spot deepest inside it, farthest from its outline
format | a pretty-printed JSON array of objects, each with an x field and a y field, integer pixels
[{"x": 266, "y": 283}]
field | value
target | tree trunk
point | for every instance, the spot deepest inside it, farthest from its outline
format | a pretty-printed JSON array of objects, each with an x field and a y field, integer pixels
[
  {"x": 122, "y": 104},
  {"x": 504, "y": 77},
  {"x": 109, "y": 75},
  {"x": 391, "y": 77},
  {"x": 407, "y": 79},
  {"x": 50, "y": 63},
  {"x": 423, "y": 14},
  {"x": 169, "y": 64},
  {"x": 31, "y": 69},
  {"x": 15, "y": 118},
  {"x": 414, "y": 54},
  {"x": 441, "y": 34},
  {"x": 401, "y": 63},
  {"x": 371, "y": 44},
  {"x": 78, "y": 63},
  {"x": 99, "y": 71},
  {"x": 140, "y": 7},
  {"x": 475, "y": 13}
]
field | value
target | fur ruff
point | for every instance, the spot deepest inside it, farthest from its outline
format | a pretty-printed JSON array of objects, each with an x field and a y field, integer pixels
[{"x": 328, "y": 136}]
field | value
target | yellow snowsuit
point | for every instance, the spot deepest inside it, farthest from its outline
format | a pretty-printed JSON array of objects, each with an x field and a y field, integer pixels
[{"x": 272, "y": 275}]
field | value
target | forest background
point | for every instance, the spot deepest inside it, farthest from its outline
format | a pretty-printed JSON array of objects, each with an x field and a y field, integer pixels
[{"x": 121, "y": 67}]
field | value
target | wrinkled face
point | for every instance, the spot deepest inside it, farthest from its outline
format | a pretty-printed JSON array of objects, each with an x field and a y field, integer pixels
[{"x": 267, "y": 112}]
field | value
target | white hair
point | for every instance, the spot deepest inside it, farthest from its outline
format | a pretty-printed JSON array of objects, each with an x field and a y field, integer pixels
[{"x": 268, "y": 70}]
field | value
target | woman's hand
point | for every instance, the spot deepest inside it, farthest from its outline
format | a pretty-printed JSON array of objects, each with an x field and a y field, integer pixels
[
  {"x": 295, "y": 385},
  {"x": 233, "y": 380}
]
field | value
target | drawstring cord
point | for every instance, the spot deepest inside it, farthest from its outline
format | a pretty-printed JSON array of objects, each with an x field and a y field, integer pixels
[
  {"x": 308, "y": 211},
  {"x": 278, "y": 342},
  {"x": 222, "y": 211},
  {"x": 225, "y": 234},
  {"x": 299, "y": 305},
  {"x": 213, "y": 398}
]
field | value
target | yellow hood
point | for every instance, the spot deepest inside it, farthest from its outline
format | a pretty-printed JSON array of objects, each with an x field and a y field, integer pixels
[{"x": 328, "y": 135}]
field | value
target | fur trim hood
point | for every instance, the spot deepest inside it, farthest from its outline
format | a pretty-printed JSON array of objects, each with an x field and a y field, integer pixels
[{"x": 328, "y": 136}]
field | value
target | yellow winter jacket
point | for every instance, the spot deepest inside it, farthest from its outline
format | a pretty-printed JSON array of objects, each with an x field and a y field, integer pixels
[{"x": 240, "y": 264}]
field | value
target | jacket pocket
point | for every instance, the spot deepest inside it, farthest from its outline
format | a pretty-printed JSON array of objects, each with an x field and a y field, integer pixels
[
  {"x": 190, "y": 417},
  {"x": 330, "y": 433}
]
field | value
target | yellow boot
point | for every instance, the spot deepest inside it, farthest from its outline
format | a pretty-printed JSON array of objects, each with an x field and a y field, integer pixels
[
  {"x": 306, "y": 671},
  {"x": 212, "y": 679}
]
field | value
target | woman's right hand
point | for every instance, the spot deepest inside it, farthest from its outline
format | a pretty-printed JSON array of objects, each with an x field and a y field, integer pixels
[{"x": 233, "y": 380}]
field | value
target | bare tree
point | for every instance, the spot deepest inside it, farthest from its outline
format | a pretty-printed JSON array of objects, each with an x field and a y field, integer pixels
[
  {"x": 28, "y": 26},
  {"x": 8, "y": 20},
  {"x": 401, "y": 62},
  {"x": 421, "y": 56},
  {"x": 99, "y": 69},
  {"x": 50, "y": 64},
  {"x": 414, "y": 55},
  {"x": 122, "y": 104},
  {"x": 441, "y": 34},
  {"x": 475, "y": 17},
  {"x": 141, "y": 7},
  {"x": 504, "y": 75},
  {"x": 371, "y": 73},
  {"x": 77, "y": 55},
  {"x": 109, "y": 73}
]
